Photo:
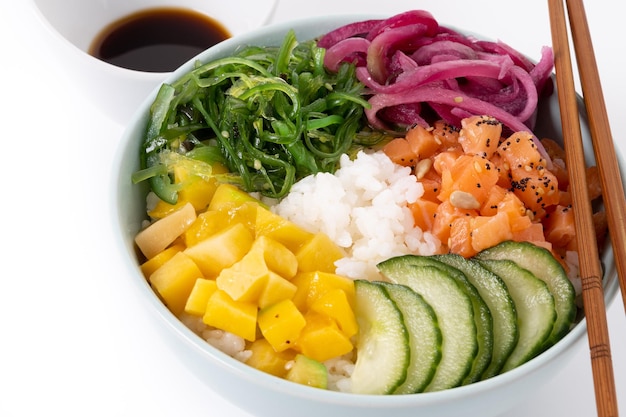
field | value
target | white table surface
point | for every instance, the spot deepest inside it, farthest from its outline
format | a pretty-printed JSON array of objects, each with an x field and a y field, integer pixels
[{"x": 72, "y": 340}]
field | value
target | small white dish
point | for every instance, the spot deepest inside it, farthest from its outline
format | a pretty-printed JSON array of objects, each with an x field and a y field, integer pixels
[{"x": 69, "y": 27}]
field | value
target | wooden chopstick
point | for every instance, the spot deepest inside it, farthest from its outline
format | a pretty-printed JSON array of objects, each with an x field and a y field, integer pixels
[
  {"x": 590, "y": 268},
  {"x": 604, "y": 148}
]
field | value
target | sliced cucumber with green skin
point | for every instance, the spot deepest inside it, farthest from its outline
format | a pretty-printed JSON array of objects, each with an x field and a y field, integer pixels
[
  {"x": 455, "y": 314},
  {"x": 495, "y": 294},
  {"x": 383, "y": 350},
  {"x": 540, "y": 262},
  {"x": 535, "y": 309},
  {"x": 482, "y": 315},
  {"x": 424, "y": 337}
]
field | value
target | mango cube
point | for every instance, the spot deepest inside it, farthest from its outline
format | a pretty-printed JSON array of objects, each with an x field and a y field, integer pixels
[
  {"x": 199, "y": 296},
  {"x": 154, "y": 263},
  {"x": 174, "y": 280},
  {"x": 313, "y": 285},
  {"x": 335, "y": 304},
  {"x": 197, "y": 192},
  {"x": 276, "y": 289},
  {"x": 277, "y": 257},
  {"x": 281, "y": 324},
  {"x": 195, "y": 189},
  {"x": 228, "y": 196},
  {"x": 236, "y": 317},
  {"x": 206, "y": 224},
  {"x": 319, "y": 254},
  {"x": 160, "y": 234},
  {"x": 321, "y": 339},
  {"x": 221, "y": 250},
  {"x": 280, "y": 229},
  {"x": 264, "y": 358},
  {"x": 244, "y": 214},
  {"x": 245, "y": 280}
]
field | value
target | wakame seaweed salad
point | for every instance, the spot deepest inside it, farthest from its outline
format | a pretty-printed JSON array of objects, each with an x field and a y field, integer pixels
[{"x": 271, "y": 115}]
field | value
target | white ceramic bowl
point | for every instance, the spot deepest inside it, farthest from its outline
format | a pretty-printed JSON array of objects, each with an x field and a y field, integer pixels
[
  {"x": 270, "y": 396},
  {"x": 69, "y": 26}
]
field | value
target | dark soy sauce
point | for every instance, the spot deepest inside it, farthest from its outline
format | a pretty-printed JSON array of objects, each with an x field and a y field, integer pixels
[{"x": 157, "y": 40}]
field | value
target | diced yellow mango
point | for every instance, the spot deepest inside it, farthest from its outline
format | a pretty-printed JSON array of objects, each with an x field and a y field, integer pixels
[
  {"x": 277, "y": 257},
  {"x": 313, "y": 285},
  {"x": 321, "y": 339},
  {"x": 264, "y": 358},
  {"x": 195, "y": 189},
  {"x": 197, "y": 192},
  {"x": 174, "y": 280},
  {"x": 236, "y": 317},
  {"x": 151, "y": 265},
  {"x": 160, "y": 234},
  {"x": 281, "y": 324},
  {"x": 335, "y": 304},
  {"x": 244, "y": 214},
  {"x": 276, "y": 289},
  {"x": 245, "y": 279},
  {"x": 211, "y": 222},
  {"x": 206, "y": 224},
  {"x": 199, "y": 296},
  {"x": 221, "y": 250},
  {"x": 319, "y": 254},
  {"x": 280, "y": 229},
  {"x": 229, "y": 196}
]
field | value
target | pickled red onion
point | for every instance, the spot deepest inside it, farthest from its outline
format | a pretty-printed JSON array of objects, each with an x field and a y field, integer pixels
[{"x": 409, "y": 62}]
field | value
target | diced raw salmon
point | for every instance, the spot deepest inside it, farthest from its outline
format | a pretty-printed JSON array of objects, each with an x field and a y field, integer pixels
[
  {"x": 422, "y": 142},
  {"x": 480, "y": 135},
  {"x": 432, "y": 186},
  {"x": 537, "y": 189},
  {"x": 471, "y": 174},
  {"x": 488, "y": 231},
  {"x": 447, "y": 134},
  {"x": 444, "y": 161},
  {"x": 424, "y": 213},
  {"x": 446, "y": 213},
  {"x": 559, "y": 226},
  {"x": 400, "y": 152}
]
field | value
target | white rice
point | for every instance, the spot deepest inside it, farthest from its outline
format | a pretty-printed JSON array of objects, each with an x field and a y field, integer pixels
[
  {"x": 339, "y": 373},
  {"x": 229, "y": 343},
  {"x": 363, "y": 209}
]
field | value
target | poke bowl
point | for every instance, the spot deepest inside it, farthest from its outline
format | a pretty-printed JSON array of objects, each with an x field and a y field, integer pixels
[{"x": 359, "y": 360}]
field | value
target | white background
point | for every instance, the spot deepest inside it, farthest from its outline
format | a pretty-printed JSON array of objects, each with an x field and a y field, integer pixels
[{"x": 73, "y": 340}]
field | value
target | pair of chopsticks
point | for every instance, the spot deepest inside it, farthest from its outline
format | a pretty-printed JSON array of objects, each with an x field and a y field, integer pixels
[{"x": 612, "y": 188}]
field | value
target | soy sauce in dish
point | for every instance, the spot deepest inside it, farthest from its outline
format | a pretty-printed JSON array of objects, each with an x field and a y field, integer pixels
[{"x": 157, "y": 40}]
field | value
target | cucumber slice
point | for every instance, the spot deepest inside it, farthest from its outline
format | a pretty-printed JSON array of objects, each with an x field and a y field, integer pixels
[
  {"x": 493, "y": 290},
  {"x": 455, "y": 314},
  {"x": 424, "y": 337},
  {"x": 535, "y": 307},
  {"x": 482, "y": 315},
  {"x": 383, "y": 351},
  {"x": 540, "y": 262}
]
